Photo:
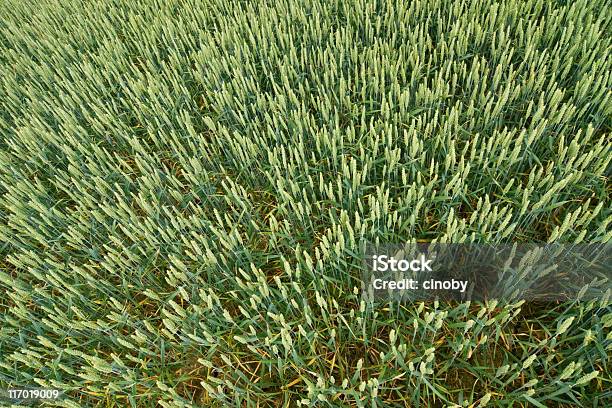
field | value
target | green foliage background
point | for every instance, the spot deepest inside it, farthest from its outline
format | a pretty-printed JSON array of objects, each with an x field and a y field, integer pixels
[{"x": 184, "y": 185}]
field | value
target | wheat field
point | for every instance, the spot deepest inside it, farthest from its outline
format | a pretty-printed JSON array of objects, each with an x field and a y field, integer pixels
[{"x": 184, "y": 186}]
